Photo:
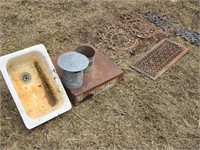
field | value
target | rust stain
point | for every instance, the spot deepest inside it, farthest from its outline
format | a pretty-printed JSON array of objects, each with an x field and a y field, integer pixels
[
  {"x": 49, "y": 91},
  {"x": 98, "y": 89},
  {"x": 39, "y": 96}
]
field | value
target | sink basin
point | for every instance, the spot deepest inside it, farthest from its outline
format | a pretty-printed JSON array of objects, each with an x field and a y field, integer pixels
[{"x": 34, "y": 85}]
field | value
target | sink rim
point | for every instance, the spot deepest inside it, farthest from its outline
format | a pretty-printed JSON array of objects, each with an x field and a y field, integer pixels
[{"x": 33, "y": 122}]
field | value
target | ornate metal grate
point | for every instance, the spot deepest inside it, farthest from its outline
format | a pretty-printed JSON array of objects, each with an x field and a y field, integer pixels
[
  {"x": 157, "y": 60},
  {"x": 117, "y": 38},
  {"x": 139, "y": 26}
]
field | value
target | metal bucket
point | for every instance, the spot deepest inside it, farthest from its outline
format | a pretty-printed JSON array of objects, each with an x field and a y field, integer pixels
[
  {"x": 89, "y": 52},
  {"x": 73, "y": 65}
]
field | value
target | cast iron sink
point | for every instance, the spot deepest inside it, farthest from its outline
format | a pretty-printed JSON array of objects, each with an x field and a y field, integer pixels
[{"x": 34, "y": 85}]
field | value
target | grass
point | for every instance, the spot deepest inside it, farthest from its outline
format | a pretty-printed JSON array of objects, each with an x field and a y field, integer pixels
[{"x": 138, "y": 113}]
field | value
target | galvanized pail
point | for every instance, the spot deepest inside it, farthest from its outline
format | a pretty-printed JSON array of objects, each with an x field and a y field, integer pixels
[{"x": 73, "y": 64}]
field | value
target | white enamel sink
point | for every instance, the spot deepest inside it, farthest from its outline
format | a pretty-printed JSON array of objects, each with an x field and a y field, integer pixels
[{"x": 34, "y": 85}]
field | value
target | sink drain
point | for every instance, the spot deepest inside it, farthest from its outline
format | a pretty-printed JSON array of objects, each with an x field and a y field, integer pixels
[{"x": 26, "y": 77}]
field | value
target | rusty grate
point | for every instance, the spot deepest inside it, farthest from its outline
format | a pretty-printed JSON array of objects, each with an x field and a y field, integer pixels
[
  {"x": 139, "y": 26},
  {"x": 117, "y": 38},
  {"x": 157, "y": 60}
]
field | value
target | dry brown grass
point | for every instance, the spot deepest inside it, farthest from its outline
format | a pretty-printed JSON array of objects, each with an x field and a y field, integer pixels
[{"x": 138, "y": 113}]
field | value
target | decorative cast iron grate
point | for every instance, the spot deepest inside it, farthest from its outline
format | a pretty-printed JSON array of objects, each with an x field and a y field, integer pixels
[
  {"x": 139, "y": 26},
  {"x": 157, "y": 60},
  {"x": 117, "y": 38}
]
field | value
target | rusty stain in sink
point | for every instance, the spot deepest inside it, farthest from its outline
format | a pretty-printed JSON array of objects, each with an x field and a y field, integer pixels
[{"x": 39, "y": 95}]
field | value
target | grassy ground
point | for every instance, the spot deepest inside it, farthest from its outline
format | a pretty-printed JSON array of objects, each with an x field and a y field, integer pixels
[{"x": 138, "y": 113}]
